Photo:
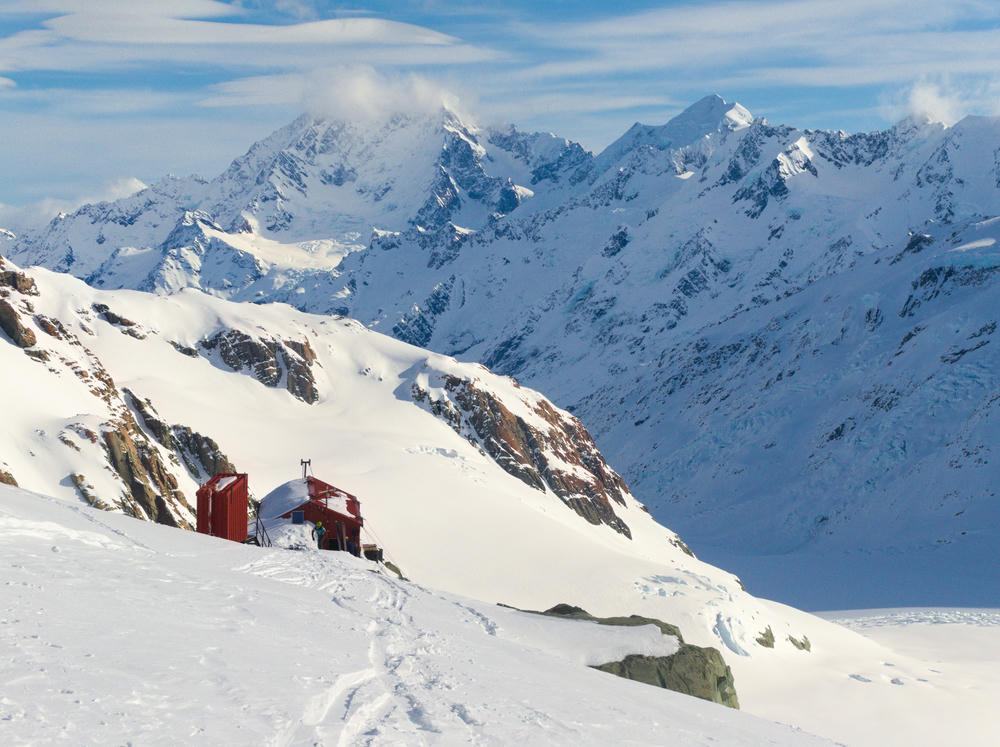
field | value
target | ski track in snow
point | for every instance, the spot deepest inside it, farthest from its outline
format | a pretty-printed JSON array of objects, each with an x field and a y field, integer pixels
[{"x": 389, "y": 696}]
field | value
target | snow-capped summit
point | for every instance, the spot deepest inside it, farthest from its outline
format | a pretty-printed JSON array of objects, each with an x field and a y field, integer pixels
[{"x": 704, "y": 117}]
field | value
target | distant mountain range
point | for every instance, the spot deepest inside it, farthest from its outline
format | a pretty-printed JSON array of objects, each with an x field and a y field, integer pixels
[{"x": 780, "y": 337}]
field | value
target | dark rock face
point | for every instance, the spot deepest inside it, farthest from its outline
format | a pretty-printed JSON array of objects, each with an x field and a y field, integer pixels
[
  {"x": 533, "y": 455},
  {"x": 10, "y": 323},
  {"x": 200, "y": 454},
  {"x": 268, "y": 359},
  {"x": 17, "y": 281},
  {"x": 124, "y": 325},
  {"x": 14, "y": 281},
  {"x": 692, "y": 670},
  {"x": 417, "y": 326},
  {"x": 147, "y": 480}
]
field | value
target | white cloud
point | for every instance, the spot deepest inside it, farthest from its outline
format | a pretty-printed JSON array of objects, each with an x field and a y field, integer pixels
[
  {"x": 349, "y": 92},
  {"x": 178, "y": 8},
  {"x": 926, "y": 101},
  {"x": 103, "y": 35},
  {"x": 18, "y": 218},
  {"x": 934, "y": 101},
  {"x": 116, "y": 189},
  {"x": 806, "y": 38}
]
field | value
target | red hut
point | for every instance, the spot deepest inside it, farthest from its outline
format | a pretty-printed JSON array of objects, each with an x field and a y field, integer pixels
[
  {"x": 338, "y": 510},
  {"x": 222, "y": 507}
]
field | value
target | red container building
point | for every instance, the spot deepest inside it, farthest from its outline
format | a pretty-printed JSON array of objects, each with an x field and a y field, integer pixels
[{"x": 222, "y": 507}]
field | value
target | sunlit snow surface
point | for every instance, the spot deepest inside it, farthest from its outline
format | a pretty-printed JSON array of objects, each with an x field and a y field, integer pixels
[{"x": 116, "y": 630}]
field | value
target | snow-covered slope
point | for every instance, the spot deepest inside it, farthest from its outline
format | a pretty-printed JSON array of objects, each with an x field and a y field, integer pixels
[
  {"x": 120, "y": 631},
  {"x": 719, "y": 299},
  {"x": 127, "y": 400}
]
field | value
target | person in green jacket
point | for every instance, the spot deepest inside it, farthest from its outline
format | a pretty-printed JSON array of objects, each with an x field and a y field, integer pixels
[{"x": 319, "y": 532}]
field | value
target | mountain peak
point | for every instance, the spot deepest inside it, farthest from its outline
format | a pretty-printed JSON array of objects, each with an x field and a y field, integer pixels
[{"x": 707, "y": 115}]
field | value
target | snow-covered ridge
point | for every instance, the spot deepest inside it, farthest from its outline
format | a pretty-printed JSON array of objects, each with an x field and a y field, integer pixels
[{"x": 519, "y": 429}]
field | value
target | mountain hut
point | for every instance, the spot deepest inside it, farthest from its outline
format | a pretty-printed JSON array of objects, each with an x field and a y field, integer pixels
[{"x": 338, "y": 510}]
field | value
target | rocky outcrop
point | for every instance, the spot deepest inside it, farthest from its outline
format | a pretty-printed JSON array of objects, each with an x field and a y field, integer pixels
[
  {"x": 269, "y": 361},
  {"x": 16, "y": 280},
  {"x": 801, "y": 645},
  {"x": 10, "y": 323},
  {"x": 766, "y": 638},
  {"x": 124, "y": 325},
  {"x": 200, "y": 454},
  {"x": 555, "y": 452},
  {"x": 7, "y": 478},
  {"x": 692, "y": 670},
  {"x": 150, "y": 488},
  {"x": 86, "y": 491}
]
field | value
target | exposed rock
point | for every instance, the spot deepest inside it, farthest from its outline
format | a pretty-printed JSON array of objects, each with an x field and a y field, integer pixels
[
  {"x": 184, "y": 349},
  {"x": 803, "y": 645},
  {"x": 7, "y": 478},
  {"x": 51, "y": 327},
  {"x": 10, "y": 323},
  {"x": 17, "y": 281},
  {"x": 200, "y": 454},
  {"x": 692, "y": 670},
  {"x": 298, "y": 358},
  {"x": 267, "y": 360},
  {"x": 766, "y": 639},
  {"x": 125, "y": 326},
  {"x": 534, "y": 456},
  {"x": 86, "y": 491},
  {"x": 578, "y": 613},
  {"x": 150, "y": 489}
]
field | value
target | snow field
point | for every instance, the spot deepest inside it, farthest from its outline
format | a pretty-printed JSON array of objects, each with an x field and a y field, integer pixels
[{"x": 116, "y": 630}]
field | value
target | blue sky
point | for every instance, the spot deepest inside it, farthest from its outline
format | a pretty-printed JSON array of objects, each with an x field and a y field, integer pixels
[{"x": 94, "y": 93}]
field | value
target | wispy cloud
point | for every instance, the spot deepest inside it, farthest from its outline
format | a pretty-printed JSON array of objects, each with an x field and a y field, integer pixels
[
  {"x": 17, "y": 217},
  {"x": 348, "y": 92},
  {"x": 99, "y": 35}
]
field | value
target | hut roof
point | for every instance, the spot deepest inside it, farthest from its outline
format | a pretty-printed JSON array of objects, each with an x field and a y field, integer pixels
[{"x": 284, "y": 498}]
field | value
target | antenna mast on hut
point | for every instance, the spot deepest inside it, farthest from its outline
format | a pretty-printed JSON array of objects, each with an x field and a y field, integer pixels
[{"x": 306, "y": 465}]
